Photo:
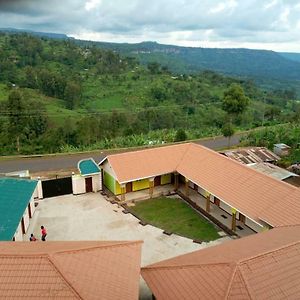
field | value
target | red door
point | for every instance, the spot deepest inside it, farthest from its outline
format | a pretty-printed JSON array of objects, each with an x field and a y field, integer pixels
[
  {"x": 157, "y": 181},
  {"x": 89, "y": 184},
  {"x": 217, "y": 201},
  {"x": 23, "y": 225},
  {"x": 128, "y": 187}
]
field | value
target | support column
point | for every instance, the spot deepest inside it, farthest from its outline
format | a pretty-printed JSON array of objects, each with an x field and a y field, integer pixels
[
  {"x": 233, "y": 221},
  {"x": 187, "y": 192},
  {"x": 176, "y": 181},
  {"x": 208, "y": 202},
  {"x": 123, "y": 192},
  {"x": 151, "y": 187}
]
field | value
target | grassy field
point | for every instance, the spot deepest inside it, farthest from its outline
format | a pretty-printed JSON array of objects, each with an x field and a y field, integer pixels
[{"x": 174, "y": 215}]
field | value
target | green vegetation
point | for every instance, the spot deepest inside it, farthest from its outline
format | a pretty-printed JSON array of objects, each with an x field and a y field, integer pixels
[
  {"x": 89, "y": 98},
  {"x": 174, "y": 215},
  {"x": 288, "y": 134}
]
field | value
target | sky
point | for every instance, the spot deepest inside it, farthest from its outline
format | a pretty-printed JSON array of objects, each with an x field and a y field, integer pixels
[{"x": 256, "y": 24}]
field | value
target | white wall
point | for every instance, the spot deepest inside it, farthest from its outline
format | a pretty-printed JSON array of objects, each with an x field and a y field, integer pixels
[
  {"x": 97, "y": 183},
  {"x": 32, "y": 206},
  {"x": 226, "y": 207},
  {"x": 253, "y": 225},
  {"x": 78, "y": 183},
  {"x": 108, "y": 169},
  {"x": 18, "y": 235}
]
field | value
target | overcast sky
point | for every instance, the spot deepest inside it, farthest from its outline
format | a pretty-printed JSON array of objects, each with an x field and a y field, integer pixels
[{"x": 258, "y": 24}]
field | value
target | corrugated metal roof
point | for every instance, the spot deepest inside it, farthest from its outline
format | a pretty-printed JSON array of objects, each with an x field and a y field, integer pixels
[
  {"x": 70, "y": 270},
  {"x": 261, "y": 266},
  {"x": 272, "y": 170},
  {"x": 15, "y": 194},
  {"x": 88, "y": 167},
  {"x": 251, "y": 155}
]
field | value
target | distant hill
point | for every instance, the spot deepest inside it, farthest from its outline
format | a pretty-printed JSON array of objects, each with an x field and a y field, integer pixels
[
  {"x": 291, "y": 56},
  {"x": 266, "y": 67},
  {"x": 238, "y": 62},
  {"x": 50, "y": 35}
]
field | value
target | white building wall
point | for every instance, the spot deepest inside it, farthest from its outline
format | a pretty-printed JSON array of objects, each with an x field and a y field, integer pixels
[
  {"x": 32, "y": 206},
  {"x": 97, "y": 183},
  {"x": 108, "y": 169},
  {"x": 18, "y": 235},
  {"x": 39, "y": 190},
  {"x": 78, "y": 184},
  {"x": 226, "y": 207},
  {"x": 253, "y": 225}
]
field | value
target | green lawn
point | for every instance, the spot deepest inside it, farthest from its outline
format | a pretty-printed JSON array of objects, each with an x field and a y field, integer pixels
[{"x": 174, "y": 215}]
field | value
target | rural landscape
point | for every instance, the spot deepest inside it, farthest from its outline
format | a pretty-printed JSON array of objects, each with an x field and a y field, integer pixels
[{"x": 149, "y": 154}]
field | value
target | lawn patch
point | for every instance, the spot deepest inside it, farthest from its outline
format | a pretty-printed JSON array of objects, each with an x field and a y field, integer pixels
[{"x": 174, "y": 215}]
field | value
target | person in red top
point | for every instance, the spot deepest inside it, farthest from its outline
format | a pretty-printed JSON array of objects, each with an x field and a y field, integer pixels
[{"x": 44, "y": 233}]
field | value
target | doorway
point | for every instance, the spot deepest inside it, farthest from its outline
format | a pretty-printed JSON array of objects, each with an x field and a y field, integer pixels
[
  {"x": 128, "y": 187},
  {"x": 89, "y": 184}
]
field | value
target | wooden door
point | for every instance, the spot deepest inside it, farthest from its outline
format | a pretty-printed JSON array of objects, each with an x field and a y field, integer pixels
[
  {"x": 29, "y": 210},
  {"x": 195, "y": 187},
  {"x": 23, "y": 225},
  {"x": 217, "y": 201},
  {"x": 242, "y": 218},
  {"x": 89, "y": 184},
  {"x": 128, "y": 187},
  {"x": 157, "y": 180}
]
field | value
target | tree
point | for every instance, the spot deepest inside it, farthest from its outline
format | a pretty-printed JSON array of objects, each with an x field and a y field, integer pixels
[
  {"x": 180, "y": 135},
  {"x": 16, "y": 111},
  {"x": 228, "y": 131},
  {"x": 235, "y": 101},
  {"x": 72, "y": 94}
]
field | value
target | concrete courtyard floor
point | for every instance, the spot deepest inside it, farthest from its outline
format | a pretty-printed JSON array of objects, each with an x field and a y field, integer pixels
[{"x": 92, "y": 217}]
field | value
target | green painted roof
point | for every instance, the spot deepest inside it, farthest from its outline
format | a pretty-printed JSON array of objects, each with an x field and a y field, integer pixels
[
  {"x": 88, "y": 167},
  {"x": 15, "y": 194}
]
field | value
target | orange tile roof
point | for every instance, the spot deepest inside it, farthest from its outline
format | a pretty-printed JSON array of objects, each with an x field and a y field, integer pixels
[
  {"x": 70, "y": 270},
  {"x": 262, "y": 266},
  {"x": 256, "y": 195},
  {"x": 147, "y": 163}
]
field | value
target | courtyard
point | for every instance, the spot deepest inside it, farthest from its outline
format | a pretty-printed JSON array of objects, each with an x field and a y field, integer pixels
[{"x": 92, "y": 217}]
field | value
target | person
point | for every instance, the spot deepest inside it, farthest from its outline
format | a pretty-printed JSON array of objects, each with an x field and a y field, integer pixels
[
  {"x": 32, "y": 238},
  {"x": 44, "y": 233}
]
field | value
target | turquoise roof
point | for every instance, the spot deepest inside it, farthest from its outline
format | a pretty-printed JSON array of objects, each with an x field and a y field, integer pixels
[
  {"x": 15, "y": 194},
  {"x": 88, "y": 167}
]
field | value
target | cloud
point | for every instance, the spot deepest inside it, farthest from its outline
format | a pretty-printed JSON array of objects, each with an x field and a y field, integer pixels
[{"x": 185, "y": 22}]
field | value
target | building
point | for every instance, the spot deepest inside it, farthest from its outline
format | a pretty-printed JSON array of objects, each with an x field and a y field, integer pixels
[
  {"x": 70, "y": 270},
  {"x": 89, "y": 179},
  {"x": 281, "y": 149},
  {"x": 276, "y": 172},
  {"x": 16, "y": 207},
  {"x": 252, "y": 155},
  {"x": 257, "y": 200},
  {"x": 261, "y": 266}
]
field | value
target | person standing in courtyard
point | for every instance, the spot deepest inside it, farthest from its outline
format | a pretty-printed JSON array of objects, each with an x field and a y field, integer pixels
[{"x": 44, "y": 233}]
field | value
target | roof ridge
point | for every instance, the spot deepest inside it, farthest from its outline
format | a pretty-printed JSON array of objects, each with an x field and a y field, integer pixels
[
  {"x": 183, "y": 155},
  {"x": 268, "y": 252},
  {"x": 82, "y": 248},
  {"x": 116, "y": 244},
  {"x": 63, "y": 277},
  {"x": 230, "y": 282},
  {"x": 248, "y": 289},
  {"x": 242, "y": 166},
  {"x": 153, "y": 267}
]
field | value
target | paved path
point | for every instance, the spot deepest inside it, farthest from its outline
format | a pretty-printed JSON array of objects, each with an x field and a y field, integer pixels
[{"x": 62, "y": 162}]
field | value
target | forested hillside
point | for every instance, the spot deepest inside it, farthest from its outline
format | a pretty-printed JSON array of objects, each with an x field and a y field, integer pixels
[
  {"x": 56, "y": 95},
  {"x": 239, "y": 62}
]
